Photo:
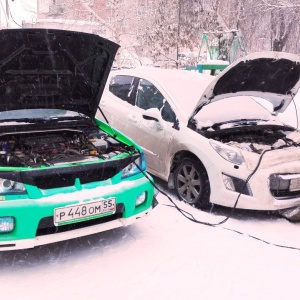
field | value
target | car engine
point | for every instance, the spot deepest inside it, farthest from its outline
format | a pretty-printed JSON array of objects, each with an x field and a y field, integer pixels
[
  {"x": 53, "y": 147},
  {"x": 257, "y": 141}
]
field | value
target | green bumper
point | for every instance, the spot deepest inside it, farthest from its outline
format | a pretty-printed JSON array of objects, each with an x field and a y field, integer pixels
[{"x": 29, "y": 213}]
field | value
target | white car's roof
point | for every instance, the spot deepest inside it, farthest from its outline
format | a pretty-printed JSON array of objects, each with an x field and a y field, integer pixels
[
  {"x": 273, "y": 76},
  {"x": 184, "y": 87},
  {"x": 163, "y": 75}
]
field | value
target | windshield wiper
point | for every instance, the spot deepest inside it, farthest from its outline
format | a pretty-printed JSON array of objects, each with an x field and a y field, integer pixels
[
  {"x": 41, "y": 120},
  {"x": 67, "y": 118},
  {"x": 23, "y": 120},
  {"x": 238, "y": 122}
]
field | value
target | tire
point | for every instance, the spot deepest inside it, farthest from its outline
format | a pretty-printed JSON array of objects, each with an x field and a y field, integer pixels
[{"x": 192, "y": 183}]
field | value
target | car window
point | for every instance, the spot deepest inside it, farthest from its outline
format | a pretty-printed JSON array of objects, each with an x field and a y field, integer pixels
[
  {"x": 123, "y": 86},
  {"x": 167, "y": 113},
  {"x": 148, "y": 96}
]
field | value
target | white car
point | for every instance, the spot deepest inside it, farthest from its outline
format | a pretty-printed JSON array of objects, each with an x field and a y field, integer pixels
[{"x": 229, "y": 152}]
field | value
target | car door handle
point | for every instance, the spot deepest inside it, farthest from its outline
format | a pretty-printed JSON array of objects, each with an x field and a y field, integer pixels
[{"x": 132, "y": 118}]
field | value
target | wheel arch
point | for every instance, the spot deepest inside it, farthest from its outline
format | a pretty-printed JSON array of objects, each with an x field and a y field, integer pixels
[
  {"x": 178, "y": 156},
  {"x": 195, "y": 187}
]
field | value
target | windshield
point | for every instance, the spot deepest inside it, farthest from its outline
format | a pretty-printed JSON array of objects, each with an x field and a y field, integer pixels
[
  {"x": 232, "y": 110},
  {"x": 37, "y": 114}
]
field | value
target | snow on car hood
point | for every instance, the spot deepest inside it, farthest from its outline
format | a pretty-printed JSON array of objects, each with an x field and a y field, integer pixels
[
  {"x": 274, "y": 76},
  {"x": 57, "y": 69}
]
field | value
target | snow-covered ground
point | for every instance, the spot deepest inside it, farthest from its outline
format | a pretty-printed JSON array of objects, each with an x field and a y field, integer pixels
[
  {"x": 164, "y": 256},
  {"x": 254, "y": 255}
]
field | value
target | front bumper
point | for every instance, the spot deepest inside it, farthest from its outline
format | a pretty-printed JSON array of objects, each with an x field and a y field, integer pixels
[
  {"x": 261, "y": 198},
  {"x": 62, "y": 236},
  {"x": 34, "y": 217}
]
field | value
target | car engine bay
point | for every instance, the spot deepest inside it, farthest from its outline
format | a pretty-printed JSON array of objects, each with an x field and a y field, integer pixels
[
  {"x": 256, "y": 139},
  {"x": 57, "y": 146}
]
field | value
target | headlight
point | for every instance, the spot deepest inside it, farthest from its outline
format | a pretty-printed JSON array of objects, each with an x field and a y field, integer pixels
[
  {"x": 229, "y": 153},
  {"x": 140, "y": 199},
  {"x": 132, "y": 169},
  {"x": 11, "y": 187},
  {"x": 7, "y": 224}
]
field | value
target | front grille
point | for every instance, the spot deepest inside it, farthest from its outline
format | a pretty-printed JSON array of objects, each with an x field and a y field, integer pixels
[
  {"x": 49, "y": 181},
  {"x": 285, "y": 194},
  {"x": 46, "y": 225},
  {"x": 57, "y": 181},
  {"x": 284, "y": 186},
  {"x": 48, "y": 178}
]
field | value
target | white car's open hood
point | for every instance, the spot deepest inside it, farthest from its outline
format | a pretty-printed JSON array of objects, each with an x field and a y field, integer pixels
[{"x": 274, "y": 76}]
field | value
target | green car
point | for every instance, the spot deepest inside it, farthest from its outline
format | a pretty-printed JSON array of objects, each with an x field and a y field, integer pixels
[{"x": 63, "y": 173}]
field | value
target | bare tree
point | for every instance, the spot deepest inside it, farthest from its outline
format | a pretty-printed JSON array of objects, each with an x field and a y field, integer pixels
[
  {"x": 178, "y": 24},
  {"x": 119, "y": 18},
  {"x": 269, "y": 5},
  {"x": 166, "y": 27},
  {"x": 284, "y": 19},
  {"x": 281, "y": 26}
]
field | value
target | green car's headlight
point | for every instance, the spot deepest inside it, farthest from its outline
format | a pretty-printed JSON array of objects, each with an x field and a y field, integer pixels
[
  {"x": 7, "y": 224},
  {"x": 132, "y": 168},
  {"x": 11, "y": 187},
  {"x": 229, "y": 153}
]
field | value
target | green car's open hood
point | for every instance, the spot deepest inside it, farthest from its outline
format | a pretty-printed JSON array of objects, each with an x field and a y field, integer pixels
[
  {"x": 48, "y": 68},
  {"x": 274, "y": 76}
]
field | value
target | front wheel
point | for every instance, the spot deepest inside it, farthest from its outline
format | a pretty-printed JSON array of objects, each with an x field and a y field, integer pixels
[{"x": 191, "y": 183}]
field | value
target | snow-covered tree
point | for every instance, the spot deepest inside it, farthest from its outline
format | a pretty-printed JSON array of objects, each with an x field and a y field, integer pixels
[
  {"x": 168, "y": 27},
  {"x": 178, "y": 24},
  {"x": 269, "y": 5},
  {"x": 284, "y": 17}
]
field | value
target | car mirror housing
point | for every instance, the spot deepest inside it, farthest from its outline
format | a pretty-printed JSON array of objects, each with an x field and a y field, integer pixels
[{"x": 152, "y": 114}]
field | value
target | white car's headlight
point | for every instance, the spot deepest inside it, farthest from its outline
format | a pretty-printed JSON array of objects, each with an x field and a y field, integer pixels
[
  {"x": 132, "y": 168},
  {"x": 229, "y": 153},
  {"x": 11, "y": 187}
]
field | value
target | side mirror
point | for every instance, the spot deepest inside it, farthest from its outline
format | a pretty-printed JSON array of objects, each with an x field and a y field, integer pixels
[{"x": 153, "y": 114}]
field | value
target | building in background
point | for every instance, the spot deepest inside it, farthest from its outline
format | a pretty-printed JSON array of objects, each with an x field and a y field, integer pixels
[{"x": 119, "y": 20}]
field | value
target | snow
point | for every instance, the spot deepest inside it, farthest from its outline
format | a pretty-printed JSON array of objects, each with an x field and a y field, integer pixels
[
  {"x": 216, "y": 62},
  {"x": 290, "y": 115},
  {"x": 20, "y": 11},
  {"x": 245, "y": 108},
  {"x": 164, "y": 256}
]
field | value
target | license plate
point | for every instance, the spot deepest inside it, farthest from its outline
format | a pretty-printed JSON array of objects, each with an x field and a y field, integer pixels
[
  {"x": 80, "y": 212},
  {"x": 294, "y": 184}
]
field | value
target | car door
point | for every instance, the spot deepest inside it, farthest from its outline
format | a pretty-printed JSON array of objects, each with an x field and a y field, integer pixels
[
  {"x": 138, "y": 109},
  {"x": 154, "y": 122},
  {"x": 118, "y": 104}
]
